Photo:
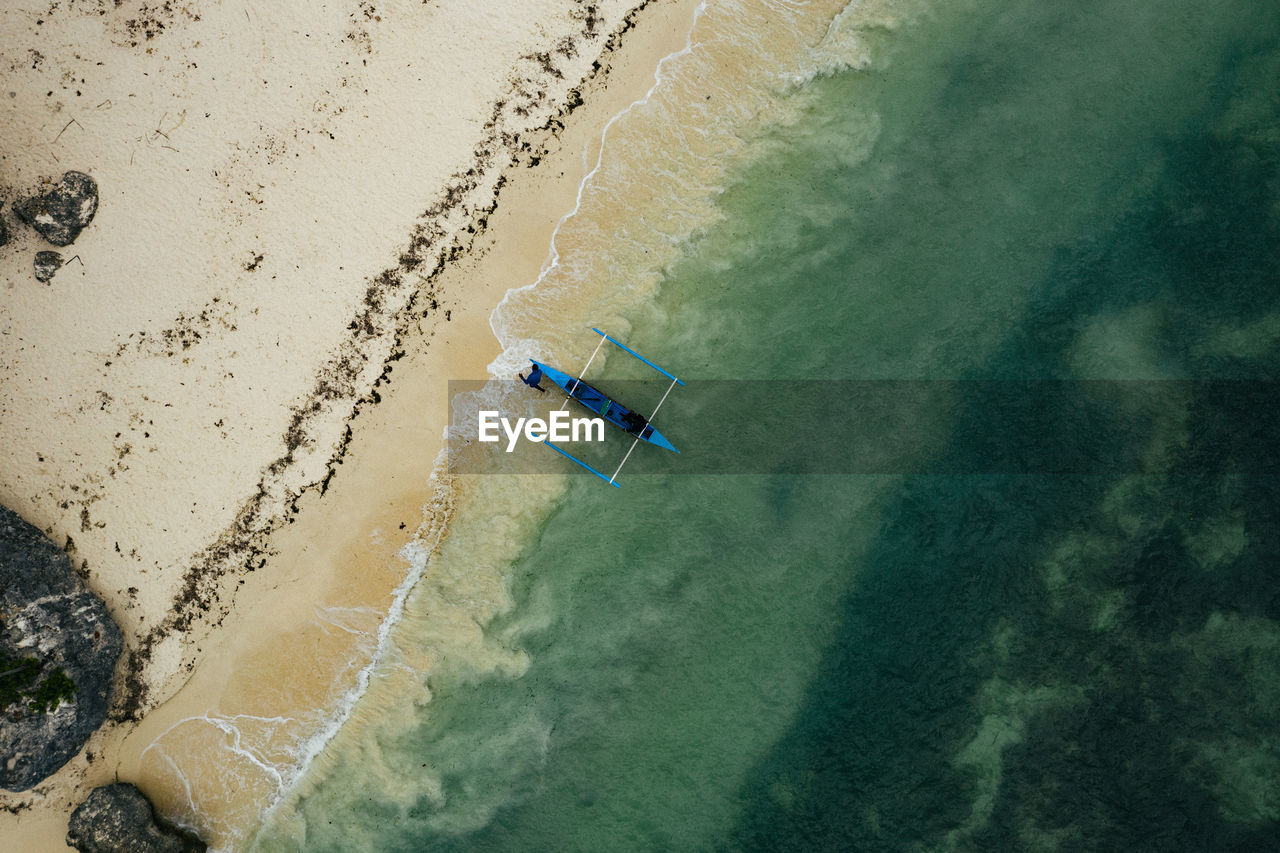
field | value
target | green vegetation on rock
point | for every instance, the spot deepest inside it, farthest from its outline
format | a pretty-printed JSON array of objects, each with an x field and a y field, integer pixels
[{"x": 20, "y": 681}]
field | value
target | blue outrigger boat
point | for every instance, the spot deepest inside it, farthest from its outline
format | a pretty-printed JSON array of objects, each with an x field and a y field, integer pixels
[
  {"x": 625, "y": 419},
  {"x": 611, "y": 410}
]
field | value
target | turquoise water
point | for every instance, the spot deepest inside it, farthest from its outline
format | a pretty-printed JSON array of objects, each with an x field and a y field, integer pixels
[{"x": 1011, "y": 190}]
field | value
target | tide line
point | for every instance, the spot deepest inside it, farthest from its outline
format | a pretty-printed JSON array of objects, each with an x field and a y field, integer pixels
[{"x": 554, "y": 254}]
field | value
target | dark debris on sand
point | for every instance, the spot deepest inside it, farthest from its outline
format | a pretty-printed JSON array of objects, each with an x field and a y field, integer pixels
[
  {"x": 46, "y": 264},
  {"x": 62, "y": 210}
]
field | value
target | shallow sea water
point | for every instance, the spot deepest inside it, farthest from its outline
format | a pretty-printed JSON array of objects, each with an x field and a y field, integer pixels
[{"x": 1004, "y": 190}]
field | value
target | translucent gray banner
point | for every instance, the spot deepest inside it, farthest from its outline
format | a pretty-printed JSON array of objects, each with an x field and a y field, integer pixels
[{"x": 894, "y": 427}]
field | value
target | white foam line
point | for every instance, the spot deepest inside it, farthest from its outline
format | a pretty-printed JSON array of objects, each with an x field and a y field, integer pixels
[
  {"x": 417, "y": 553},
  {"x": 226, "y": 725},
  {"x": 248, "y": 753},
  {"x": 658, "y": 79},
  {"x": 325, "y": 616},
  {"x": 186, "y": 783}
]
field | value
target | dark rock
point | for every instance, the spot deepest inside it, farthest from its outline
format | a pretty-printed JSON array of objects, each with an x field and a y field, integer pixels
[
  {"x": 119, "y": 819},
  {"x": 58, "y": 651},
  {"x": 47, "y": 263},
  {"x": 60, "y": 213},
  {"x": 4, "y": 232}
]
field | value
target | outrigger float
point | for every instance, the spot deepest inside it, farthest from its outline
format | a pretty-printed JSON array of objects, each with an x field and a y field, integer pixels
[{"x": 625, "y": 419}]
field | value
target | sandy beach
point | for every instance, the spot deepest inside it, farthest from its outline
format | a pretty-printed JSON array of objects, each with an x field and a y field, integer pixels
[{"x": 229, "y": 406}]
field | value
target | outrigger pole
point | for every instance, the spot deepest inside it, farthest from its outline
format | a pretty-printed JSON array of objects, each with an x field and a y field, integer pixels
[
  {"x": 585, "y": 465},
  {"x": 633, "y": 352},
  {"x": 582, "y": 373},
  {"x": 674, "y": 383},
  {"x": 651, "y": 417},
  {"x": 573, "y": 389}
]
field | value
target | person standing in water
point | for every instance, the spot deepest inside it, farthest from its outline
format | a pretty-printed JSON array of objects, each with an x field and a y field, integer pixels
[{"x": 534, "y": 377}]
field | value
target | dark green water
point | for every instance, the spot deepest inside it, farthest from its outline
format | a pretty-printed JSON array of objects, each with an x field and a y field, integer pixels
[{"x": 1023, "y": 662}]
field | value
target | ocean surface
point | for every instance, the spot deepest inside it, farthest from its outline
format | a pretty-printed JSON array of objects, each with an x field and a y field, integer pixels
[{"x": 1087, "y": 193}]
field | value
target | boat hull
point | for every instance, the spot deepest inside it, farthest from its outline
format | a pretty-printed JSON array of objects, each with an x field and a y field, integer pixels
[{"x": 598, "y": 403}]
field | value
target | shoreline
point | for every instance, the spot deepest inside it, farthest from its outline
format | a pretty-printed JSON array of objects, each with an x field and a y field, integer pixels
[{"x": 353, "y": 568}]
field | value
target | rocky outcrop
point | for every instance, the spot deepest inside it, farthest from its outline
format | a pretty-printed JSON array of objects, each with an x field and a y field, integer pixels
[
  {"x": 46, "y": 264},
  {"x": 118, "y": 819},
  {"x": 60, "y": 213},
  {"x": 58, "y": 651}
]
